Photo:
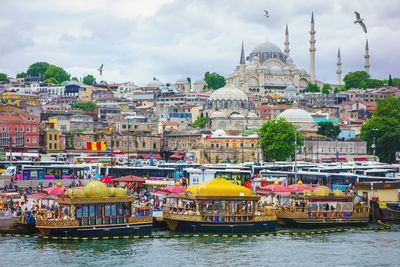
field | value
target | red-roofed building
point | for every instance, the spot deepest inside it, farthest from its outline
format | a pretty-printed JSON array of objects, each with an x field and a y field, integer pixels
[{"x": 19, "y": 128}]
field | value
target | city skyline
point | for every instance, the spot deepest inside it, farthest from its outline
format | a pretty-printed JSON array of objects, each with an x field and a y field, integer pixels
[{"x": 171, "y": 40}]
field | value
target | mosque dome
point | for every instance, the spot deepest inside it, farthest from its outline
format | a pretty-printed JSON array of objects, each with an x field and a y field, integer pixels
[
  {"x": 217, "y": 114},
  {"x": 155, "y": 83},
  {"x": 228, "y": 93},
  {"x": 296, "y": 115},
  {"x": 236, "y": 116},
  {"x": 219, "y": 132},
  {"x": 267, "y": 47},
  {"x": 96, "y": 189},
  {"x": 290, "y": 89}
]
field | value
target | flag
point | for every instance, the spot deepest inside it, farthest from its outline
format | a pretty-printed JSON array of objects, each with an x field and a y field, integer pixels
[{"x": 96, "y": 146}]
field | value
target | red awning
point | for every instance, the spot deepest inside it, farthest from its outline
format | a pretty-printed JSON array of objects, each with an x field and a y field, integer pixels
[
  {"x": 360, "y": 159},
  {"x": 177, "y": 156},
  {"x": 147, "y": 156},
  {"x": 340, "y": 159},
  {"x": 129, "y": 178}
]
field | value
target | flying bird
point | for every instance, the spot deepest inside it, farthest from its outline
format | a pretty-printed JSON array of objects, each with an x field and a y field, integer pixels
[
  {"x": 359, "y": 20},
  {"x": 266, "y": 15},
  {"x": 100, "y": 69}
]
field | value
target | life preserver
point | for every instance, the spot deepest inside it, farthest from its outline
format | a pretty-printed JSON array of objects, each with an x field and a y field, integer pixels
[
  {"x": 330, "y": 215},
  {"x": 318, "y": 215},
  {"x": 341, "y": 214}
]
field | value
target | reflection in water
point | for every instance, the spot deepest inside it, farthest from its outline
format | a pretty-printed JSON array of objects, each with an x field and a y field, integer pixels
[{"x": 352, "y": 248}]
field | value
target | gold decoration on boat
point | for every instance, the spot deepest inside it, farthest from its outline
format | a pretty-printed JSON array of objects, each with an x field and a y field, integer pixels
[
  {"x": 96, "y": 189},
  {"x": 219, "y": 187},
  {"x": 322, "y": 191}
]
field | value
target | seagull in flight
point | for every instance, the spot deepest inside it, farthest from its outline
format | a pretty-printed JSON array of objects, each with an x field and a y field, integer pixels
[
  {"x": 266, "y": 15},
  {"x": 100, "y": 69},
  {"x": 360, "y": 21}
]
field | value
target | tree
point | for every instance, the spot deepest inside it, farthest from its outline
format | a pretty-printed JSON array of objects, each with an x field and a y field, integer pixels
[
  {"x": 57, "y": 73},
  {"x": 382, "y": 131},
  {"x": 214, "y": 80},
  {"x": 312, "y": 88},
  {"x": 390, "y": 81},
  {"x": 85, "y": 105},
  {"x": 22, "y": 75},
  {"x": 374, "y": 83},
  {"x": 277, "y": 138},
  {"x": 89, "y": 80},
  {"x": 326, "y": 89},
  {"x": 37, "y": 69},
  {"x": 3, "y": 77},
  {"x": 51, "y": 81},
  {"x": 356, "y": 79},
  {"x": 190, "y": 82},
  {"x": 396, "y": 82},
  {"x": 328, "y": 129},
  {"x": 200, "y": 122}
]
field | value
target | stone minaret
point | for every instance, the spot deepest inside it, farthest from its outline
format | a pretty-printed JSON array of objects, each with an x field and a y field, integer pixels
[
  {"x": 339, "y": 68},
  {"x": 366, "y": 58},
  {"x": 286, "y": 50},
  {"x": 242, "y": 66},
  {"x": 312, "y": 50}
]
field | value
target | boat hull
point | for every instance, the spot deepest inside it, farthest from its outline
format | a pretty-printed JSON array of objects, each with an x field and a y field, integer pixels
[
  {"x": 137, "y": 229},
  {"x": 221, "y": 227},
  {"x": 12, "y": 225},
  {"x": 320, "y": 223}
]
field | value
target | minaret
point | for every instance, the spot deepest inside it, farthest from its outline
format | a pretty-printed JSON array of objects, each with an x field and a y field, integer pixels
[
  {"x": 242, "y": 68},
  {"x": 312, "y": 50},
  {"x": 286, "y": 50},
  {"x": 339, "y": 68},
  {"x": 366, "y": 58}
]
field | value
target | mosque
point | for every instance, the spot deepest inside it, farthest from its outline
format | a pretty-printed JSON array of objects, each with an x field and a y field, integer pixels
[{"x": 270, "y": 71}]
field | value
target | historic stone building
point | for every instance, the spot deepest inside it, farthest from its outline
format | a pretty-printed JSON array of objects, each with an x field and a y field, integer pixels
[{"x": 229, "y": 108}]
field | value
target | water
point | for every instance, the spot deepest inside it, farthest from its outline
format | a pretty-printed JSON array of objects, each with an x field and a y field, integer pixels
[{"x": 351, "y": 248}]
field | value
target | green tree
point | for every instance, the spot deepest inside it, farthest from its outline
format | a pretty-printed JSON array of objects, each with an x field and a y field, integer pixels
[
  {"x": 214, "y": 80},
  {"x": 37, "y": 69},
  {"x": 382, "y": 131},
  {"x": 328, "y": 129},
  {"x": 85, "y": 105},
  {"x": 356, "y": 79},
  {"x": 374, "y": 83},
  {"x": 396, "y": 82},
  {"x": 277, "y": 138},
  {"x": 57, "y": 73},
  {"x": 89, "y": 80},
  {"x": 390, "y": 81},
  {"x": 51, "y": 81},
  {"x": 3, "y": 77},
  {"x": 200, "y": 122},
  {"x": 312, "y": 88},
  {"x": 22, "y": 75},
  {"x": 326, "y": 89}
]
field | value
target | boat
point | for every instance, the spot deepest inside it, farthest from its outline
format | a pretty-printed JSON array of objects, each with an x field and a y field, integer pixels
[
  {"x": 217, "y": 206},
  {"x": 95, "y": 211},
  {"x": 13, "y": 221},
  {"x": 321, "y": 208}
]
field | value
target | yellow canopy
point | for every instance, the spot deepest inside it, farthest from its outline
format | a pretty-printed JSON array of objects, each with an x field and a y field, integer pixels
[
  {"x": 321, "y": 191},
  {"x": 219, "y": 187}
]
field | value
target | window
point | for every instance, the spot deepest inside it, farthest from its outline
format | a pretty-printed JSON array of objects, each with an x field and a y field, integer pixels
[
  {"x": 154, "y": 145},
  {"x": 55, "y": 146},
  {"x": 212, "y": 145},
  {"x": 3, "y": 129},
  {"x": 55, "y": 137},
  {"x": 143, "y": 144},
  {"x": 34, "y": 140},
  {"x": 63, "y": 127},
  {"x": 50, "y": 146},
  {"x": 28, "y": 129},
  {"x": 241, "y": 144},
  {"x": 28, "y": 140},
  {"x": 50, "y": 137},
  {"x": 22, "y": 129},
  {"x": 16, "y": 129},
  {"x": 227, "y": 144},
  {"x": 34, "y": 129},
  {"x": 252, "y": 144}
]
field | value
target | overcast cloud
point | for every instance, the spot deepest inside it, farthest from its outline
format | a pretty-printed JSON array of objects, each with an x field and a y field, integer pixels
[{"x": 137, "y": 40}]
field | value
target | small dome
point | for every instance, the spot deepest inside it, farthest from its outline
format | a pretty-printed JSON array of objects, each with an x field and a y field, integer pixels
[
  {"x": 236, "y": 116},
  {"x": 291, "y": 88},
  {"x": 155, "y": 83},
  {"x": 111, "y": 191},
  {"x": 321, "y": 191},
  {"x": 267, "y": 47},
  {"x": 96, "y": 189},
  {"x": 120, "y": 192},
  {"x": 338, "y": 193},
  {"x": 228, "y": 93},
  {"x": 219, "y": 132},
  {"x": 252, "y": 115},
  {"x": 296, "y": 115},
  {"x": 217, "y": 114},
  {"x": 76, "y": 192}
]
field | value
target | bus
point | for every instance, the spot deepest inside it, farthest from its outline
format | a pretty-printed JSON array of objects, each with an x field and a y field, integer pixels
[
  {"x": 199, "y": 175},
  {"x": 59, "y": 171},
  {"x": 142, "y": 171}
]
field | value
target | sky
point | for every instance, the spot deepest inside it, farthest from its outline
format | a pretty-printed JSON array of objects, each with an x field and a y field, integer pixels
[{"x": 137, "y": 40}]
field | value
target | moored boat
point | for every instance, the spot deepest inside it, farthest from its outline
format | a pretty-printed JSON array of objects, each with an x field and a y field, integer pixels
[
  {"x": 94, "y": 211},
  {"x": 217, "y": 206},
  {"x": 322, "y": 208}
]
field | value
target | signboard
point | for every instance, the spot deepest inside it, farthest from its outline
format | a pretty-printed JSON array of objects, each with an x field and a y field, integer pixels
[{"x": 397, "y": 157}]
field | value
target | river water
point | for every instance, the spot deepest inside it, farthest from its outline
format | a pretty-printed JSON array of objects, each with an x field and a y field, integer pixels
[{"x": 350, "y": 248}]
